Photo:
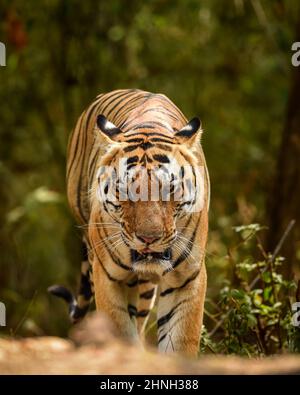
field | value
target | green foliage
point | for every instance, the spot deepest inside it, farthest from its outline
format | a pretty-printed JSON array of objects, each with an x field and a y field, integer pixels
[{"x": 254, "y": 314}]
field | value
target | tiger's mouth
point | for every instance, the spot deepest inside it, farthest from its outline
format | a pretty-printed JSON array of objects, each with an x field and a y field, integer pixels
[{"x": 147, "y": 259}]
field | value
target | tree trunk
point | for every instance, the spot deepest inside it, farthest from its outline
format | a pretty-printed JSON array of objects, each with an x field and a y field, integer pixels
[{"x": 285, "y": 197}]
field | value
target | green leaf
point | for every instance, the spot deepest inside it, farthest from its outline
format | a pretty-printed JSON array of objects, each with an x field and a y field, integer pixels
[
  {"x": 237, "y": 294},
  {"x": 266, "y": 276},
  {"x": 267, "y": 293}
]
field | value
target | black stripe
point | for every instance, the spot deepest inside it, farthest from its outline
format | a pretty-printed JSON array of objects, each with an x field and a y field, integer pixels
[
  {"x": 130, "y": 148},
  {"x": 115, "y": 96},
  {"x": 190, "y": 279},
  {"x": 132, "y": 310},
  {"x": 133, "y": 159},
  {"x": 146, "y": 145},
  {"x": 194, "y": 174},
  {"x": 161, "y": 158},
  {"x": 184, "y": 156},
  {"x": 163, "y": 147},
  {"x": 147, "y": 294},
  {"x": 81, "y": 161},
  {"x": 149, "y": 134},
  {"x": 112, "y": 256},
  {"x": 182, "y": 171},
  {"x": 91, "y": 169},
  {"x": 187, "y": 223},
  {"x": 95, "y": 251},
  {"x": 149, "y": 125},
  {"x": 143, "y": 313},
  {"x": 159, "y": 140},
  {"x": 133, "y": 283},
  {"x": 141, "y": 98},
  {"x": 116, "y": 206},
  {"x": 186, "y": 203},
  {"x": 164, "y": 111},
  {"x": 166, "y": 318},
  {"x": 167, "y": 100},
  {"x": 71, "y": 143},
  {"x": 84, "y": 252},
  {"x": 85, "y": 287},
  {"x": 183, "y": 255},
  {"x": 185, "y": 133},
  {"x": 135, "y": 140},
  {"x": 145, "y": 158},
  {"x": 162, "y": 338},
  {"x": 120, "y": 101},
  {"x": 80, "y": 164},
  {"x": 78, "y": 312},
  {"x": 108, "y": 96},
  {"x": 170, "y": 328},
  {"x": 105, "y": 271},
  {"x": 141, "y": 281},
  {"x": 125, "y": 109}
]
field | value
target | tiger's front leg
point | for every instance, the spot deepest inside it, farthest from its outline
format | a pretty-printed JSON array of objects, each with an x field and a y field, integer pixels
[
  {"x": 180, "y": 314},
  {"x": 111, "y": 298}
]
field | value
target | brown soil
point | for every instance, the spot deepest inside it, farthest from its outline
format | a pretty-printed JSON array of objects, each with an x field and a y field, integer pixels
[{"x": 95, "y": 349}]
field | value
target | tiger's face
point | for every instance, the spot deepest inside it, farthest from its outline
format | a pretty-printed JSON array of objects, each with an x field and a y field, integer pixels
[{"x": 147, "y": 190}]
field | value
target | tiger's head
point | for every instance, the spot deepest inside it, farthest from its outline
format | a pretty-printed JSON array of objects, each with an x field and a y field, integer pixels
[{"x": 148, "y": 181}]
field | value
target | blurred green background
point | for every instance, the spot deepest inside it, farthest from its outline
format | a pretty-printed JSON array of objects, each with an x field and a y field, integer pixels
[{"x": 225, "y": 61}]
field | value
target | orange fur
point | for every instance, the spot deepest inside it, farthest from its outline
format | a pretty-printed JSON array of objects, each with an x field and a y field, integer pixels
[{"x": 124, "y": 287}]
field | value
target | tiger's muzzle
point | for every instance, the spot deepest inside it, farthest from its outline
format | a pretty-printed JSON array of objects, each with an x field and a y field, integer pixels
[{"x": 144, "y": 260}]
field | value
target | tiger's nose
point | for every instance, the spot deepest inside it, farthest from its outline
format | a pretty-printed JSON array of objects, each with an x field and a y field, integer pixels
[{"x": 147, "y": 238}]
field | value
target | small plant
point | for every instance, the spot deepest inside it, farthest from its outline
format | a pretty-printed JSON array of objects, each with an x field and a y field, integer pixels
[{"x": 253, "y": 316}]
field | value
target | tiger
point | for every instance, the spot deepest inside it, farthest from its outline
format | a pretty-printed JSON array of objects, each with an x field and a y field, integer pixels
[{"x": 139, "y": 253}]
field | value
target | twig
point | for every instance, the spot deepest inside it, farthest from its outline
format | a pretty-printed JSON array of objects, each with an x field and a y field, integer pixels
[
  {"x": 261, "y": 334},
  {"x": 14, "y": 332},
  {"x": 210, "y": 348},
  {"x": 277, "y": 249},
  {"x": 214, "y": 304},
  {"x": 209, "y": 315}
]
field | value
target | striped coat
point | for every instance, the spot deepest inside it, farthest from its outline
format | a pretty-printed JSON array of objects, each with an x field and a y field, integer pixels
[{"x": 136, "y": 250}]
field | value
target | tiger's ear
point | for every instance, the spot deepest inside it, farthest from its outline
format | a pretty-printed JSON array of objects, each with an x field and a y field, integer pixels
[
  {"x": 189, "y": 133},
  {"x": 111, "y": 132}
]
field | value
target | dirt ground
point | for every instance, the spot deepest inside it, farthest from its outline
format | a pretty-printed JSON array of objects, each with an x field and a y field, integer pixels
[{"x": 93, "y": 348}]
